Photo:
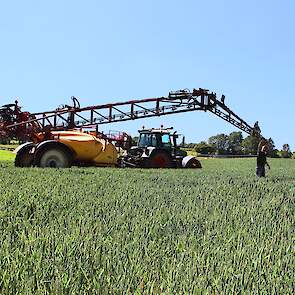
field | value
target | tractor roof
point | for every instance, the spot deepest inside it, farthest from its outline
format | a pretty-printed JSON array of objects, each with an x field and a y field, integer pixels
[{"x": 157, "y": 130}]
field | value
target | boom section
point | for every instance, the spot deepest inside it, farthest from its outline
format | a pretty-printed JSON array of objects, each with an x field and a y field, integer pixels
[{"x": 181, "y": 101}]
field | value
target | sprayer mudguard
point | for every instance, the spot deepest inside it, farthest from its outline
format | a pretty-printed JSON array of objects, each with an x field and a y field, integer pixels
[{"x": 22, "y": 146}]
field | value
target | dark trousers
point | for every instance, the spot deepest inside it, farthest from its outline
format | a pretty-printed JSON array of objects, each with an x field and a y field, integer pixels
[{"x": 260, "y": 171}]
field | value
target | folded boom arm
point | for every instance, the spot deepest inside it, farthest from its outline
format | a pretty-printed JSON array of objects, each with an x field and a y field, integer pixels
[{"x": 69, "y": 117}]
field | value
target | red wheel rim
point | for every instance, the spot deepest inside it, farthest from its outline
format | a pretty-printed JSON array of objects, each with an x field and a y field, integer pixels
[{"x": 159, "y": 161}]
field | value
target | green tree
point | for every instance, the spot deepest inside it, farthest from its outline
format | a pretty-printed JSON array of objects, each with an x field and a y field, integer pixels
[
  {"x": 190, "y": 145},
  {"x": 250, "y": 145},
  {"x": 235, "y": 140},
  {"x": 204, "y": 148},
  {"x": 286, "y": 151},
  {"x": 272, "y": 151},
  {"x": 219, "y": 143}
]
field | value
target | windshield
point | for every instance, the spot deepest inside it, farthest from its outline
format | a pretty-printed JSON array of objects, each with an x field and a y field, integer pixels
[
  {"x": 147, "y": 139},
  {"x": 155, "y": 140}
]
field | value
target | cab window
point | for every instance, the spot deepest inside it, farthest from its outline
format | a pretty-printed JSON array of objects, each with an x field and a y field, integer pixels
[
  {"x": 147, "y": 140},
  {"x": 166, "y": 142}
]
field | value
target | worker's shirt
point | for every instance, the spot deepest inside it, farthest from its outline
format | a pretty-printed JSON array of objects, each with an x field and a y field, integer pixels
[{"x": 261, "y": 159}]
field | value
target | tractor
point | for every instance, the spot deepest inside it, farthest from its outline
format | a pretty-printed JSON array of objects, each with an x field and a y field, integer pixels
[{"x": 158, "y": 148}]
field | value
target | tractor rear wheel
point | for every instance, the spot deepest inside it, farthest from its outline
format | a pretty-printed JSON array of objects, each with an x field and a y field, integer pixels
[
  {"x": 55, "y": 157},
  {"x": 159, "y": 160},
  {"x": 23, "y": 157}
]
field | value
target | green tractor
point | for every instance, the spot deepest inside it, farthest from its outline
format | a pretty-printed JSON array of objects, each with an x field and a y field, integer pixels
[{"x": 158, "y": 148}]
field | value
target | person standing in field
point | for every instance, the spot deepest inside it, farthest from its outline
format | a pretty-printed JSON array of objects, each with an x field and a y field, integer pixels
[{"x": 261, "y": 161}]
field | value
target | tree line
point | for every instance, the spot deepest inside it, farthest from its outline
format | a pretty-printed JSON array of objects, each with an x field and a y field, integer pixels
[{"x": 236, "y": 144}]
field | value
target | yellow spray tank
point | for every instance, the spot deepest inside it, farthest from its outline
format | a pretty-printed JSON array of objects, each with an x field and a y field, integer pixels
[{"x": 62, "y": 149}]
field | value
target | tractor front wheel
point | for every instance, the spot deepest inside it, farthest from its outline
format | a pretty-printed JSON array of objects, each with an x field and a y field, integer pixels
[
  {"x": 55, "y": 157},
  {"x": 191, "y": 162}
]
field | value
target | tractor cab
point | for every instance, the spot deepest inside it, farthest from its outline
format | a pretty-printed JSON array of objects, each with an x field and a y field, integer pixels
[
  {"x": 160, "y": 138},
  {"x": 158, "y": 148}
]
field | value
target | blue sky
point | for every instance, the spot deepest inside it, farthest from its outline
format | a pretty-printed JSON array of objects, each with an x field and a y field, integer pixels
[{"x": 104, "y": 51}]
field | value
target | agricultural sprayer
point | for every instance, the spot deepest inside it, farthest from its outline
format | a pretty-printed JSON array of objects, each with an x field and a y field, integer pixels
[{"x": 69, "y": 135}]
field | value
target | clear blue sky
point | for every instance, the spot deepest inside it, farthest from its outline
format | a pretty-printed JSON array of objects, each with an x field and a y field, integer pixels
[{"x": 104, "y": 51}]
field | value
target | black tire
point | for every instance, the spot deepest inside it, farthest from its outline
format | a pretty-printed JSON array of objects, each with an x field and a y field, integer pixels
[
  {"x": 159, "y": 159},
  {"x": 24, "y": 158},
  {"x": 193, "y": 163},
  {"x": 54, "y": 157}
]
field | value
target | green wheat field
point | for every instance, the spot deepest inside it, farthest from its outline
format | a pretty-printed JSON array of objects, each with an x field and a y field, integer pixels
[{"x": 218, "y": 230}]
